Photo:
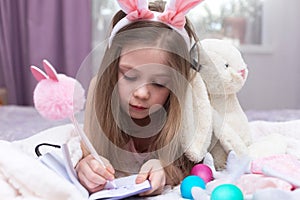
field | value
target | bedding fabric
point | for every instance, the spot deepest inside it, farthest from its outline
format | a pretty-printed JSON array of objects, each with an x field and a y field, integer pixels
[{"x": 22, "y": 176}]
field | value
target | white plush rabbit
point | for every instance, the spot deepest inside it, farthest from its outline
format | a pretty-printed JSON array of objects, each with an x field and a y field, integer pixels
[{"x": 224, "y": 73}]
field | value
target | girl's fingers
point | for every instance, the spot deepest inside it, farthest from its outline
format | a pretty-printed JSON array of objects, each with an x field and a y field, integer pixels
[
  {"x": 153, "y": 171},
  {"x": 92, "y": 174},
  {"x": 158, "y": 181},
  {"x": 97, "y": 168},
  {"x": 110, "y": 169},
  {"x": 88, "y": 183},
  {"x": 144, "y": 173},
  {"x": 108, "y": 166},
  {"x": 91, "y": 181},
  {"x": 141, "y": 177},
  {"x": 96, "y": 189},
  {"x": 94, "y": 177}
]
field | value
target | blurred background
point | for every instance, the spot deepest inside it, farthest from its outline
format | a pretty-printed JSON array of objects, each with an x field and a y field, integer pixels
[{"x": 267, "y": 32}]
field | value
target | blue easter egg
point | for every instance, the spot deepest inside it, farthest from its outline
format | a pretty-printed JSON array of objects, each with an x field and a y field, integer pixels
[
  {"x": 227, "y": 192},
  {"x": 188, "y": 183}
]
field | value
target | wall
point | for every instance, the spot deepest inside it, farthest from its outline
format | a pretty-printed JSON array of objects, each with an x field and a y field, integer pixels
[{"x": 274, "y": 68}]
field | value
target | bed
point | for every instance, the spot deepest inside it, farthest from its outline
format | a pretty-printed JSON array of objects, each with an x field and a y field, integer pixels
[{"x": 19, "y": 124}]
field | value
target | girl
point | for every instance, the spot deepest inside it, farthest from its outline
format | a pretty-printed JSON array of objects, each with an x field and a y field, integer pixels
[{"x": 136, "y": 112}]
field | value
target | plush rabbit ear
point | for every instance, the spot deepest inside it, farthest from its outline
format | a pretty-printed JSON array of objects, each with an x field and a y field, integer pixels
[
  {"x": 199, "y": 194},
  {"x": 176, "y": 10},
  {"x": 50, "y": 70},
  {"x": 37, "y": 73}
]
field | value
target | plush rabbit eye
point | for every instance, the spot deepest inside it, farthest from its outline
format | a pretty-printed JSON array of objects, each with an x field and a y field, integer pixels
[{"x": 227, "y": 65}]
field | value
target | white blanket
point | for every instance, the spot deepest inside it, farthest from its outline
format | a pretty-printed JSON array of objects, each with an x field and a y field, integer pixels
[
  {"x": 275, "y": 138},
  {"x": 22, "y": 176}
]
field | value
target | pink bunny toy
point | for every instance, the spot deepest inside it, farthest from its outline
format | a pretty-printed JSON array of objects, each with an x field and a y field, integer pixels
[{"x": 56, "y": 96}]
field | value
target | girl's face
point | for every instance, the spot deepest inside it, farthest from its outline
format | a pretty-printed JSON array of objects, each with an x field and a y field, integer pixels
[{"x": 143, "y": 82}]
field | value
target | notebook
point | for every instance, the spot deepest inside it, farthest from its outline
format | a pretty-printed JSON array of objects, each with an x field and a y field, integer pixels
[{"x": 125, "y": 186}]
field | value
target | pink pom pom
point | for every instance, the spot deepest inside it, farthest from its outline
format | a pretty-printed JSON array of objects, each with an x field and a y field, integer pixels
[{"x": 58, "y": 99}]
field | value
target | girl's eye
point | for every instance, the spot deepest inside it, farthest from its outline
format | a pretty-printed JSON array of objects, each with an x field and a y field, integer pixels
[
  {"x": 130, "y": 78},
  {"x": 226, "y": 65},
  {"x": 158, "y": 85}
]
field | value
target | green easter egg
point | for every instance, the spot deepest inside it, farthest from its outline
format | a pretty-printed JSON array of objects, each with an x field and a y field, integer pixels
[{"x": 227, "y": 192}]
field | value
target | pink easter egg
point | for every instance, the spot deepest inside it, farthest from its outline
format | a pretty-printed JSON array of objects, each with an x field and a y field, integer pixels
[{"x": 203, "y": 171}]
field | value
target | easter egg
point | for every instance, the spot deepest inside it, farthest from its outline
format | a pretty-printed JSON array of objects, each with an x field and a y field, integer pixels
[
  {"x": 227, "y": 192},
  {"x": 203, "y": 171},
  {"x": 188, "y": 183}
]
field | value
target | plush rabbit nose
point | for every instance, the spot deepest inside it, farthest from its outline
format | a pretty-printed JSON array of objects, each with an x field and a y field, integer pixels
[{"x": 243, "y": 73}]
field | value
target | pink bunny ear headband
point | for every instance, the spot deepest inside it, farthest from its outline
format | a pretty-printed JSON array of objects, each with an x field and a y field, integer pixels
[{"x": 173, "y": 15}]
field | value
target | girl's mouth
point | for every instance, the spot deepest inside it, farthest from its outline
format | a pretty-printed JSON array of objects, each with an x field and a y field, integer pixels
[{"x": 136, "y": 107}]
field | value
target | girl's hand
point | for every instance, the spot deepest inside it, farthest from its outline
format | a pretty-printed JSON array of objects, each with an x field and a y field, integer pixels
[
  {"x": 153, "y": 171},
  {"x": 92, "y": 175}
]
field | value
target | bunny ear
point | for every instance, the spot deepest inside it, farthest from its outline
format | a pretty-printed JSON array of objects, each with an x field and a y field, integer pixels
[
  {"x": 131, "y": 5},
  {"x": 50, "y": 70},
  {"x": 37, "y": 73},
  {"x": 199, "y": 194},
  {"x": 176, "y": 10},
  {"x": 136, "y": 9},
  {"x": 182, "y": 6}
]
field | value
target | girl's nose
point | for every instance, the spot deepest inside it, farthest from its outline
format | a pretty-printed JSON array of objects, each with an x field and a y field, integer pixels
[{"x": 142, "y": 92}]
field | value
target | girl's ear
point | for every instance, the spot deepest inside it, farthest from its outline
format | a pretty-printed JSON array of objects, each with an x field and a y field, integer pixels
[
  {"x": 37, "y": 73},
  {"x": 50, "y": 70}
]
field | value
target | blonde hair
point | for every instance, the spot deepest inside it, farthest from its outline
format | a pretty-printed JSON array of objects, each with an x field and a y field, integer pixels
[{"x": 147, "y": 34}]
